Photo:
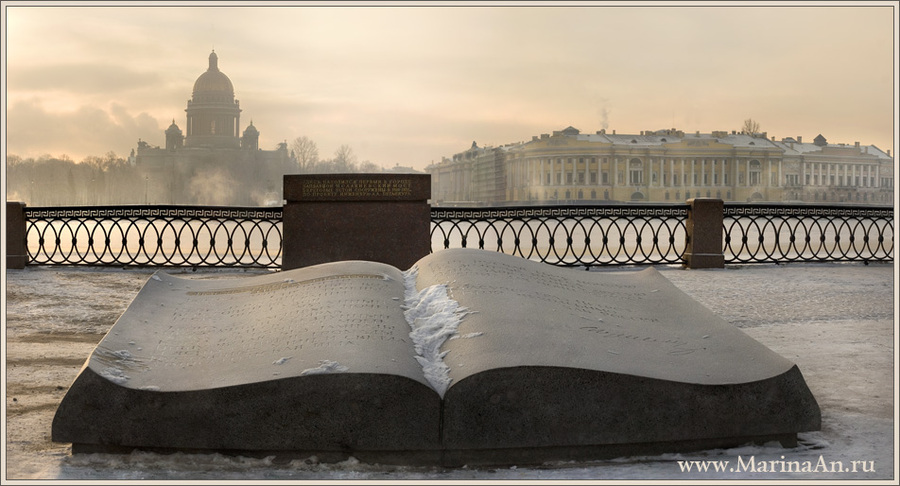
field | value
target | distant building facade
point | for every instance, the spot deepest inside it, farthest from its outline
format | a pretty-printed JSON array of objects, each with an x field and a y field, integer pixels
[
  {"x": 212, "y": 162},
  {"x": 663, "y": 166}
]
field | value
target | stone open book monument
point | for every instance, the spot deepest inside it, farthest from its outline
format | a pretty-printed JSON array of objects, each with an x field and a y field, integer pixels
[{"x": 468, "y": 357}]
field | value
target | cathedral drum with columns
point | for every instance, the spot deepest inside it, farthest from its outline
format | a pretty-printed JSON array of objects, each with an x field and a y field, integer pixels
[{"x": 211, "y": 162}]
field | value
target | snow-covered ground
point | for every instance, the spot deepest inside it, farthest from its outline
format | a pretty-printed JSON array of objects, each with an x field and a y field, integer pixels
[{"x": 835, "y": 321}]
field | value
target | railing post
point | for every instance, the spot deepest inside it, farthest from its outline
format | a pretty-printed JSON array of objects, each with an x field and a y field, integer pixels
[
  {"x": 703, "y": 245},
  {"x": 16, "y": 256}
]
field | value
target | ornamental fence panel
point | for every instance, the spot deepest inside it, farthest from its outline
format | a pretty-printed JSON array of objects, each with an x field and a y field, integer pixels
[
  {"x": 568, "y": 235},
  {"x": 160, "y": 236},
  {"x": 764, "y": 233}
]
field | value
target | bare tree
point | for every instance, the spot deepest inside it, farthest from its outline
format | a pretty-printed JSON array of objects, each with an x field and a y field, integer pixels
[
  {"x": 344, "y": 159},
  {"x": 751, "y": 126},
  {"x": 369, "y": 167},
  {"x": 306, "y": 152}
]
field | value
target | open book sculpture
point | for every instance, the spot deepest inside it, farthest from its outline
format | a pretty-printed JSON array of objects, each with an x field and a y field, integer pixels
[{"x": 469, "y": 357}]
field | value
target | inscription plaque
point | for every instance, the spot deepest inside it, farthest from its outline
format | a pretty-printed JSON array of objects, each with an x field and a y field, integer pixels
[
  {"x": 541, "y": 363},
  {"x": 374, "y": 217}
]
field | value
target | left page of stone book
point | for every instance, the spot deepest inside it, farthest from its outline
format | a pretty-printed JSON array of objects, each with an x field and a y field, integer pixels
[{"x": 314, "y": 358}]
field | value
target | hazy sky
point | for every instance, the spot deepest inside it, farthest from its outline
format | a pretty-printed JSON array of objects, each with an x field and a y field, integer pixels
[{"x": 408, "y": 84}]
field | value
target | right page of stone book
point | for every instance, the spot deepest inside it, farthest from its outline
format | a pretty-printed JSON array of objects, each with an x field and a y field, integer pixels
[{"x": 549, "y": 356}]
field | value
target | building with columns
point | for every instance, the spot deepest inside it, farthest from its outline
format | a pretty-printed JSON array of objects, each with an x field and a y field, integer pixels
[
  {"x": 569, "y": 167},
  {"x": 212, "y": 162}
]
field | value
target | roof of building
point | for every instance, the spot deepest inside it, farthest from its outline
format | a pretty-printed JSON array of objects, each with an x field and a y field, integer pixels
[{"x": 213, "y": 81}]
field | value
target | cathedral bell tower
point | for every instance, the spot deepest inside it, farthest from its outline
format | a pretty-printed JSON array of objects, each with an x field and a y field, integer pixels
[{"x": 213, "y": 115}]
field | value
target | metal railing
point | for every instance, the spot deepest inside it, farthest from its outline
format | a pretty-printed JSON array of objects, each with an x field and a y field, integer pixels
[
  {"x": 761, "y": 233},
  {"x": 623, "y": 234},
  {"x": 567, "y": 235},
  {"x": 154, "y": 236}
]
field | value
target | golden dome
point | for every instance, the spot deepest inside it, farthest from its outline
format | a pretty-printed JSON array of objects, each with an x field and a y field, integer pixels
[{"x": 213, "y": 82}]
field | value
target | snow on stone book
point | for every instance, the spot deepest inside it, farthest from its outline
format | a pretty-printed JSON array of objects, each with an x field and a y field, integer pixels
[{"x": 469, "y": 357}]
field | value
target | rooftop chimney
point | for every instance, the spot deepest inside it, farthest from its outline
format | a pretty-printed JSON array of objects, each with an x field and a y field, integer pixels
[{"x": 799, "y": 139}]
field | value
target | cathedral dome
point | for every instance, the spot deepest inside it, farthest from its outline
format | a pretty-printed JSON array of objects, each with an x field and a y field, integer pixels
[{"x": 213, "y": 85}]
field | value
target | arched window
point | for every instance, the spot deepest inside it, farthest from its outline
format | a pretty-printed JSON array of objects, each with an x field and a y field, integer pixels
[
  {"x": 755, "y": 168},
  {"x": 635, "y": 172}
]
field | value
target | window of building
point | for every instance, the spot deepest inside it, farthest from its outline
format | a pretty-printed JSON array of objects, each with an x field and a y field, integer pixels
[
  {"x": 606, "y": 177},
  {"x": 593, "y": 177},
  {"x": 581, "y": 177},
  {"x": 755, "y": 168},
  {"x": 635, "y": 172},
  {"x": 667, "y": 195},
  {"x": 568, "y": 178}
]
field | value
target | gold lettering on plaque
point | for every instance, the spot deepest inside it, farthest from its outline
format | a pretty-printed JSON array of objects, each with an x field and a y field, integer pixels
[{"x": 357, "y": 188}]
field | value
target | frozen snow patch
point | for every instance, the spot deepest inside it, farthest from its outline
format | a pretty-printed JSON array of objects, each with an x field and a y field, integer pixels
[
  {"x": 156, "y": 277},
  {"x": 434, "y": 317},
  {"x": 467, "y": 336},
  {"x": 281, "y": 361},
  {"x": 115, "y": 375},
  {"x": 325, "y": 366}
]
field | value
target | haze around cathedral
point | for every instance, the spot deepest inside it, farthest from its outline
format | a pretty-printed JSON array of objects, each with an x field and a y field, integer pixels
[{"x": 404, "y": 86}]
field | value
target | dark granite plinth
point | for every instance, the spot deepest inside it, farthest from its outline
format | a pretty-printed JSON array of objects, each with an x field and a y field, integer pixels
[
  {"x": 375, "y": 217},
  {"x": 704, "y": 234},
  {"x": 16, "y": 254}
]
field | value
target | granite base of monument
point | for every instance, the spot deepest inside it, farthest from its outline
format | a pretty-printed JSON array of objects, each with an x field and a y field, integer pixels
[{"x": 470, "y": 357}]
